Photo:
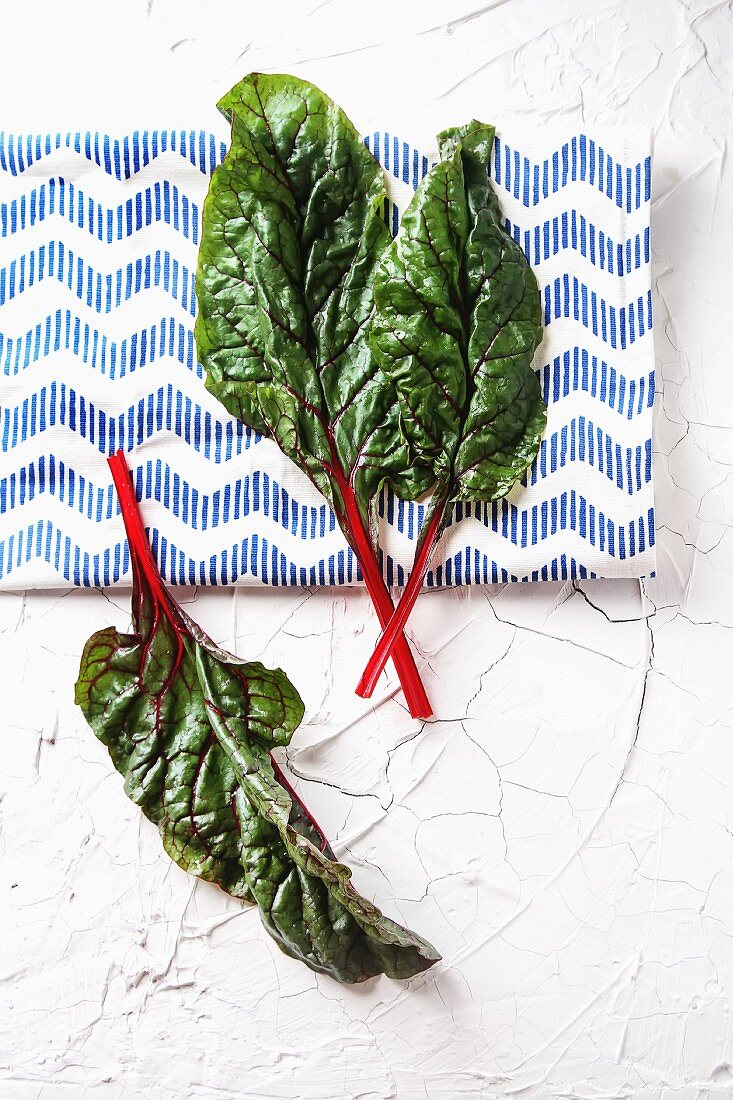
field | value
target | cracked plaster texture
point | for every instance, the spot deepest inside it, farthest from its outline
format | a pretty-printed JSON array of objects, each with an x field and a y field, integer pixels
[{"x": 563, "y": 829}]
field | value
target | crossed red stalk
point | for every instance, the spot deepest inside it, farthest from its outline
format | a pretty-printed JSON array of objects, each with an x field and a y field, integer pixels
[
  {"x": 358, "y": 538},
  {"x": 399, "y": 650},
  {"x": 393, "y": 629}
]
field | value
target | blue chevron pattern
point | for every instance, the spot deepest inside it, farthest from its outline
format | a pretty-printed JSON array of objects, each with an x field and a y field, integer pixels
[
  {"x": 259, "y": 492},
  {"x": 618, "y": 326},
  {"x": 571, "y": 230},
  {"x": 64, "y": 331},
  {"x": 163, "y": 202},
  {"x": 578, "y": 371},
  {"x": 121, "y": 158},
  {"x": 167, "y": 410},
  {"x": 97, "y": 352},
  {"x": 102, "y": 293},
  {"x": 257, "y": 556},
  {"x": 197, "y": 509},
  {"x": 580, "y": 160}
]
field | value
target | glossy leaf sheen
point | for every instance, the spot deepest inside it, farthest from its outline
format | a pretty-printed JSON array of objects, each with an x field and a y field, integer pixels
[
  {"x": 191, "y": 729},
  {"x": 456, "y": 326},
  {"x": 292, "y": 232}
]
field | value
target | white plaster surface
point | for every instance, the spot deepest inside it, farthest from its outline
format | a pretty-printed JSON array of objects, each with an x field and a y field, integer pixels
[{"x": 563, "y": 831}]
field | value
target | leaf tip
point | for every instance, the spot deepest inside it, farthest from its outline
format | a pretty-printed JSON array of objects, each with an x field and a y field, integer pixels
[{"x": 474, "y": 139}]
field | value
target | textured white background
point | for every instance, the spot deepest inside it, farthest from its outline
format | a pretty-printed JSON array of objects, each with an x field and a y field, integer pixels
[{"x": 564, "y": 831}]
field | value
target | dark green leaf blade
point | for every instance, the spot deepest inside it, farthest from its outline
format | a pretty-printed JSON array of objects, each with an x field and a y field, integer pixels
[
  {"x": 418, "y": 331},
  {"x": 506, "y": 415},
  {"x": 162, "y": 745},
  {"x": 457, "y": 323},
  {"x": 191, "y": 733},
  {"x": 191, "y": 729},
  {"x": 305, "y": 896},
  {"x": 293, "y": 229}
]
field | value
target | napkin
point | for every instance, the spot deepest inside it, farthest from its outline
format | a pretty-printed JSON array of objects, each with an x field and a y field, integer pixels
[{"x": 98, "y": 243}]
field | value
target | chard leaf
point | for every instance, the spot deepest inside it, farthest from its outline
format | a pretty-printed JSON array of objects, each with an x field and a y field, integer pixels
[
  {"x": 293, "y": 230},
  {"x": 456, "y": 326},
  {"x": 191, "y": 729}
]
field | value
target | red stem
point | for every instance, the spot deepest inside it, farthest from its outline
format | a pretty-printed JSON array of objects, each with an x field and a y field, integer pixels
[
  {"x": 395, "y": 626},
  {"x": 415, "y": 694},
  {"x": 140, "y": 552}
]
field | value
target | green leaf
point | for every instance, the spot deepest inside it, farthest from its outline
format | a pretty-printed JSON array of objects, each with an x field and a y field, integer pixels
[
  {"x": 456, "y": 326},
  {"x": 191, "y": 729},
  {"x": 293, "y": 229}
]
